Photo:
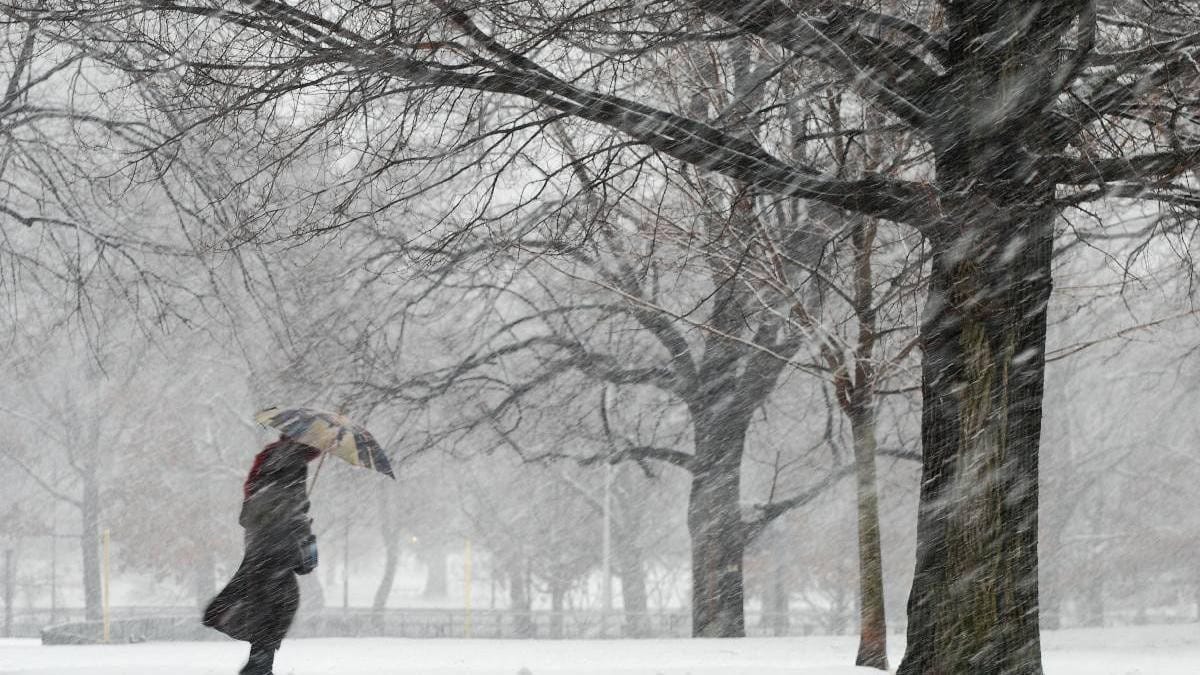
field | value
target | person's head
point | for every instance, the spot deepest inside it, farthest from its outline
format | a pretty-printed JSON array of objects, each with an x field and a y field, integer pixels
[{"x": 285, "y": 453}]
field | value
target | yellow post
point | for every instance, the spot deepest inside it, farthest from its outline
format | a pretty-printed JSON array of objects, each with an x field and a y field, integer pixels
[
  {"x": 467, "y": 588},
  {"x": 104, "y": 539}
]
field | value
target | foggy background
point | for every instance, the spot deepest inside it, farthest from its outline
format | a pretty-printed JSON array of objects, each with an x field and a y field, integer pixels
[{"x": 144, "y": 431}]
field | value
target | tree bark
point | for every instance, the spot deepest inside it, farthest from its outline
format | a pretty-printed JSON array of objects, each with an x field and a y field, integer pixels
[
  {"x": 716, "y": 528},
  {"x": 974, "y": 601},
  {"x": 872, "y": 643},
  {"x": 872, "y": 619}
]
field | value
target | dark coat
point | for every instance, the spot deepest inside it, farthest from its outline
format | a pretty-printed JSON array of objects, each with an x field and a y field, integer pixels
[{"x": 259, "y": 603}]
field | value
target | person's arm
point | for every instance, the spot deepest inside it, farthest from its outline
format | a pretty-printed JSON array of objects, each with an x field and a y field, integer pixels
[
  {"x": 307, "y": 543},
  {"x": 275, "y": 515},
  {"x": 251, "y": 515}
]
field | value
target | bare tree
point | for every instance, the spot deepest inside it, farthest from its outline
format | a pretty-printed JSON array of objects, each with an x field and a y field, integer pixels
[
  {"x": 720, "y": 374},
  {"x": 543, "y": 535},
  {"x": 192, "y": 437},
  {"x": 864, "y": 330},
  {"x": 72, "y": 420}
]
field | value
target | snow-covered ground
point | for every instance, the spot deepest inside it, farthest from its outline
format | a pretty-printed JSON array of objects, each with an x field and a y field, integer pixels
[{"x": 1146, "y": 650}]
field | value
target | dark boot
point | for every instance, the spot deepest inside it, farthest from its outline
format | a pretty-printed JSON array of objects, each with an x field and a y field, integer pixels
[{"x": 262, "y": 659}]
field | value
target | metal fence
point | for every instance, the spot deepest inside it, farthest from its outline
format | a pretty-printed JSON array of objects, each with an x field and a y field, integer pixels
[
  {"x": 30, "y": 622},
  {"x": 137, "y": 624}
]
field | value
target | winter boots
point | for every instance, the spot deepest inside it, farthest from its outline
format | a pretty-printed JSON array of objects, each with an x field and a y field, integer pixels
[{"x": 262, "y": 658}]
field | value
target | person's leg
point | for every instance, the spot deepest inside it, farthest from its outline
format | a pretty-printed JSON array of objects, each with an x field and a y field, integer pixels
[{"x": 262, "y": 659}]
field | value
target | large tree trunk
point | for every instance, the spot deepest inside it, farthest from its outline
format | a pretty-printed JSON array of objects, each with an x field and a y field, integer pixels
[
  {"x": 872, "y": 620},
  {"x": 872, "y": 626},
  {"x": 715, "y": 524},
  {"x": 974, "y": 601},
  {"x": 90, "y": 546}
]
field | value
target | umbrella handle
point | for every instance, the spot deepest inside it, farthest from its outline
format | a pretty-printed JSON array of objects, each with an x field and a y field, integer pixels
[{"x": 316, "y": 473}]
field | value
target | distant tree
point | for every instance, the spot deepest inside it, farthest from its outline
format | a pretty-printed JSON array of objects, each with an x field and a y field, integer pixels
[
  {"x": 864, "y": 332},
  {"x": 622, "y": 333},
  {"x": 63, "y": 433},
  {"x": 89, "y": 247},
  {"x": 419, "y": 516},
  {"x": 1115, "y": 482},
  {"x": 541, "y": 534},
  {"x": 193, "y": 436}
]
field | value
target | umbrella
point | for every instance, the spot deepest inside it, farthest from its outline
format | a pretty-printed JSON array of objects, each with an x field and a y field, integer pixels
[{"x": 328, "y": 432}]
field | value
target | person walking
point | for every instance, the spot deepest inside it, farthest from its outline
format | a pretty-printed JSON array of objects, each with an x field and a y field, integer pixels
[{"x": 260, "y": 601}]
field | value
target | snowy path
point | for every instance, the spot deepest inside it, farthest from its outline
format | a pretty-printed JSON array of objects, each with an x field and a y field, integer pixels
[{"x": 1150, "y": 650}]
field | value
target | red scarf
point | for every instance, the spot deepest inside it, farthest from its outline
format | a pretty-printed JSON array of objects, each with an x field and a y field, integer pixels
[{"x": 310, "y": 453}]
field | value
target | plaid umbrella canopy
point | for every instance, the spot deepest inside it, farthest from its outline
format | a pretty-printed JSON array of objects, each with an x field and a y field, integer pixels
[{"x": 328, "y": 432}]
